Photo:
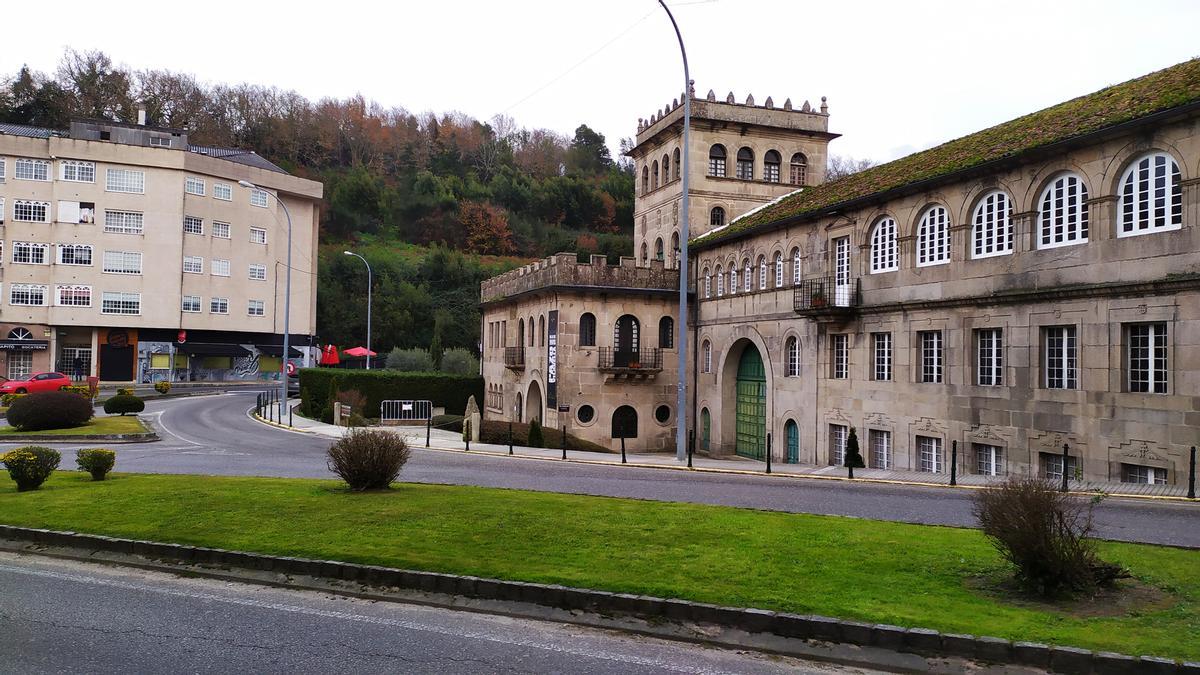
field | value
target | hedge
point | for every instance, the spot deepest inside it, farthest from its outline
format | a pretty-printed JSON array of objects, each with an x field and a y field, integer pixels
[
  {"x": 318, "y": 386},
  {"x": 496, "y": 432}
]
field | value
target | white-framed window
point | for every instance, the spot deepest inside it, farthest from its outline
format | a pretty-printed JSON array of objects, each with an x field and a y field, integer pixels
[
  {"x": 881, "y": 448},
  {"x": 28, "y": 211},
  {"x": 929, "y": 454},
  {"x": 1149, "y": 475},
  {"x": 762, "y": 272},
  {"x": 30, "y": 253},
  {"x": 20, "y": 365},
  {"x": 931, "y": 355},
  {"x": 160, "y": 142},
  {"x": 27, "y": 294},
  {"x": 193, "y": 264},
  {"x": 1151, "y": 196},
  {"x": 193, "y": 225},
  {"x": 733, "y": 279},
  {"x": 77, "y": 171},
  {"x": 989, "y": 459},
  {"x": 32, "y": 169},
  {"x": 796, "y": 266},
  {"x": 123, "y": 222},
  {"x": 716, "y": 161},
  {"x": 218, "y": 306},
  {"x": 771, "y": 162},
  {"x": 991, "y": 229},
  {"x": 1147, "y": 357},
  {"x": 840, "y": 346},
  {"x": 933, "y": 237},
  {"x": 778, "y": 270},
  {"x": 707, "y": 364},
  {"x": 1052, "y": 466},
  {"x": 792, "y": 350},
  {"x": 258, "y": 235},
  {"x": 989, "y": 361},
  {"x": 1063, "y": 214},
  {"x": 2, "y": 163},
  {"x": 256, "y": 308},
  {"x": 748, "y": 279},
  {"x": 882, "y": 343},
  {"x": 74, "y": 254},
  {"x": 223, "y": 191},
  {"x": 125, "y": 180},
  {"x": 1062, "y": 357},
  {"x": 191, "y": 303},
  {"x": 707, "y": 285},
  {"x": 220, "y": 268},
  {"x": 720, "y": 281},
  {"x": 220, "y": 230},
  {"x": 258, "y": 198},
  {"x": 194, "y": 186},
  {"x": 123, "y": 262},
  {"x": 838, "y": 433},
  {"x": 884, "y": 254},
  {"x": 120, "y": 302},
  {"x": 73, "y": 296},
  {"x": 1, "y": 202}
]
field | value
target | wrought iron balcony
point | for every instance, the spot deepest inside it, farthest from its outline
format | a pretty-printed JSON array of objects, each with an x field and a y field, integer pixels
[
  {"x": 514, "y": 358},
  {"x": 630, "y": 362},
  {"x": 822, "y": 296}
]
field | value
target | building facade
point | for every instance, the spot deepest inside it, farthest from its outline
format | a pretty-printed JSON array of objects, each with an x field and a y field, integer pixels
[{"x": 130, "y": 255}]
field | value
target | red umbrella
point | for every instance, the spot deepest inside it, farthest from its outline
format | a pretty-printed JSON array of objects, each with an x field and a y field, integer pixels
[
  {"x": 358, "y": 351},
  {"x": 329, "y": 356}
]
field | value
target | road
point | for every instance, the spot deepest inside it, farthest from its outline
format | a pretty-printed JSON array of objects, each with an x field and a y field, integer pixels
[
  {"x": 214, "y": 435},
  {"x": 62, "y": 617}
]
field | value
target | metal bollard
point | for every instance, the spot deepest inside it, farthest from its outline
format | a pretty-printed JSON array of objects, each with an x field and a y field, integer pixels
[
  {"x": 1192, "y": 475},
  {"x": 290, "y": 410},
  {"x": 691, "y": 446},
  {"x": 428, "y": 425},
  {"x": 564, "y": 441},
  {"x": 623, "y": 448},
  {"x": 954, "y": 462},
  {"x": 510, "y": 438},
  {"x": 768, "y": 452},
  {"x": 1066, "y": 456}
]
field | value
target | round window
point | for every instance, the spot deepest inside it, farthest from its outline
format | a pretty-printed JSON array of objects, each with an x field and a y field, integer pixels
[
  {"x": 585, "y": 414},
  {"x": 662, "y": 413}
]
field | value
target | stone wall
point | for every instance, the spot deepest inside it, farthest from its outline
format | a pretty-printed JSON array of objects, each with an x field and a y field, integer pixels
[{"x": 563, "y": 269}]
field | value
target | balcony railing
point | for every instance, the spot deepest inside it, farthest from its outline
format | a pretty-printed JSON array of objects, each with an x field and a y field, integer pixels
[
  {"x": 514, "y": 357},
  {"x": 824, "y": 296},
  {"x": 630, "y": 361}
]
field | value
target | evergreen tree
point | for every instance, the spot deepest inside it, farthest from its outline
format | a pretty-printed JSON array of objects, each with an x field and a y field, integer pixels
[
  {"x": 536, "y": 439},
  {"x": 854, "y": 459}
]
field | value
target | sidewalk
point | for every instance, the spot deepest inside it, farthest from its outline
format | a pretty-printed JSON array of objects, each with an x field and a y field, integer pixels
[{"x": 441, "y": 439}]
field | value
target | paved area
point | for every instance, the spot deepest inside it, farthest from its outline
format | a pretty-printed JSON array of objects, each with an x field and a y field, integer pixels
[
  {"x": 61, "y": 617},
  {"x": 215, "y": 435}
]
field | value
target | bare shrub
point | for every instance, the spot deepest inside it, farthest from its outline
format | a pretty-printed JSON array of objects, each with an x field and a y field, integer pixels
[
  {"x": 368, "y": 460},
  {"x": 1045, "y": 534}
]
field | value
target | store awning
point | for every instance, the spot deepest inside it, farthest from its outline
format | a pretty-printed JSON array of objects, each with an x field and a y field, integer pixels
[
  {"x": 277, "y": 350},
  {"x": 10, "y": 345},
  {"x": 212, "y": 349}
]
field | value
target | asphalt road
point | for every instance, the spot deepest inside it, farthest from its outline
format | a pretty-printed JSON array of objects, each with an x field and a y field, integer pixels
[
  {"x": 64, "y": 617},
  {"x": 214, "y": 435}
]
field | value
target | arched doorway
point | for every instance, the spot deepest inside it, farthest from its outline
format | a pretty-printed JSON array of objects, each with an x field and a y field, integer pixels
[
  {"x": 533, "y": 403},
  {"x": 791, "y": 433},
  {"x": 751, "y": 405},
  {"x": 705, "y": 430},
  {"x": 520, "y": 410},
  {"x": 625, "y": 422},
  {"x": 626, "y": 341}
]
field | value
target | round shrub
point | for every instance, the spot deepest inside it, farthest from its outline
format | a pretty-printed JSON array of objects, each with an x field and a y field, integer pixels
[
  {"x": 96, "y": 461},
  {"x": 123, "y": 404},
  {"x": 368, "y": 460},
  {"x": 124, "y": 391},
  {"x": 30, "y": 466},
  {"x": 49, "y": 410},
  {"x": 162, "y": 386}
]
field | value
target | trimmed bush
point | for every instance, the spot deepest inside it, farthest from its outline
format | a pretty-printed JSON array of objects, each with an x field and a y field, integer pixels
[
  {"x": 96, "y": 461},
  {"x": 162, "y": 386},
  {"x": 368, "y": 460},
  {"x": 7, "y": 399},
  {"x": 123, "y": 404},
  {"x": 459, "y": 361},
  {"x": 321, "y": 385},
  {"x": 854, "y": 458},
  {"x": 30, "y": 466},
  {"x": 124, "y": 391},
  {"x": 49, "y": 410},
  {"x": 496, "y": 432},
  {"x": 449, "y": 422},
  {"x": 413, "y": 360},
  {"x": 78, "y": 389},
  {"x": 536, "y": 439}
]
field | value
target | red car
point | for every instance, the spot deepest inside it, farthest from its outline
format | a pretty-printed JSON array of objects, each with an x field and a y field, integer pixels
[{"x": 36, "y": 382}]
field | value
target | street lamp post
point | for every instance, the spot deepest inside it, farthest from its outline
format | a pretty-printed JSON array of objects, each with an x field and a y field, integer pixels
[
  {"x": 368, "y": 303},
  {"x": 287, "y": 300},
  {"x": 681, "y": 415}
]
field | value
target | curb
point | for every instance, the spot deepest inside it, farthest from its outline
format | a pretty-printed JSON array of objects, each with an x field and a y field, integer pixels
[
  {"x": 111, "y": 438},
  {"x": 919, "y": 641}
]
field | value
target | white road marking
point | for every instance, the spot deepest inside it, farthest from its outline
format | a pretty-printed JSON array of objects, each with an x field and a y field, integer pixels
[{"x": 163, "y": 425}]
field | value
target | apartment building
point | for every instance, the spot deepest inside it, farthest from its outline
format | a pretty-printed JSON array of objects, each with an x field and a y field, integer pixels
[{"x": 130, "y": 255}]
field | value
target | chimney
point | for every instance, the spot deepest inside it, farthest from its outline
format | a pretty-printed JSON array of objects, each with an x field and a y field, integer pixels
[{"x": 142, "y": 115}]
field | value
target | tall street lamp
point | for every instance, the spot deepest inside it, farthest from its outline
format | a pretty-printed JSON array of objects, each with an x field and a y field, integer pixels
[
  {"x": 368, "y": 303},
  {"x": 287, "y": 300},
  {"x": 681, "y": 400}
]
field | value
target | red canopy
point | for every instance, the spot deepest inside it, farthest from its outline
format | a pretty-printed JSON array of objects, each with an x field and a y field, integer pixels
[
  {"x": 358, "y": 351},
  {"x": 329, "y": 356}
]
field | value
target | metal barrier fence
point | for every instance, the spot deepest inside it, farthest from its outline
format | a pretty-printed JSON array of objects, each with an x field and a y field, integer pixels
[{"x": 405, "y": 412}]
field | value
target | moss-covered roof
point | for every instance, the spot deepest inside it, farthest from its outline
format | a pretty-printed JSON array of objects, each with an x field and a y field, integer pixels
[{"x": 1157, "y": 92}]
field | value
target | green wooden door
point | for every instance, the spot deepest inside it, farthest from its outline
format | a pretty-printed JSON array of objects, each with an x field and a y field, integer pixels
[
  {"x": 793, "y": 442},
  {"x": 751, "y": 423}
]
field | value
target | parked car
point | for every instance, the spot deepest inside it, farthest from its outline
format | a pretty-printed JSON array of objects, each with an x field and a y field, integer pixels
[{"x": 35, "y": 383}]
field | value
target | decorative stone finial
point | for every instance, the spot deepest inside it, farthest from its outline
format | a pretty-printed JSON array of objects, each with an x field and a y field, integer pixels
[
  {"x": 787, "y": 105},
  {"x": 712, "y": 95},
  {"x": 824, "y": 107},
  {"x": 674, "y": 104},
  {"x": 691, "y": 88},
  {"x": 806, "y": 107},
  {"x": 769, "y": 103},
  {"x": 729, "y": 98},
  {"x": 749, "y": 99}
]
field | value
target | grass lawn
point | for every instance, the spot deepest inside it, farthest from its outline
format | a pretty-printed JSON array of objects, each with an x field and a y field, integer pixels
[
  {"x": 116, "y": 424},
  {"x": 909, "y": 575}
]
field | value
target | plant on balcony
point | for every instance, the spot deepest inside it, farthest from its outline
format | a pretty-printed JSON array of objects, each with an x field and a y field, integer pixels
[{"x": 817, "y": 299}]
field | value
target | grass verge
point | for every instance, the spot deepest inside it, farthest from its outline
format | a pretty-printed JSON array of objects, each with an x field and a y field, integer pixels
[
  {"x": 909, "y": 575},
  {"x": 116, "y": 424}
]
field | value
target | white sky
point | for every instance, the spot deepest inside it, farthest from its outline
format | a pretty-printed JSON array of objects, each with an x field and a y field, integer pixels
[{"x": 900, "y": 76}]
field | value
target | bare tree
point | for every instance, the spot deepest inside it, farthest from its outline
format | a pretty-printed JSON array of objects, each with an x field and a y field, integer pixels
[{"x": 841, "y": 166}]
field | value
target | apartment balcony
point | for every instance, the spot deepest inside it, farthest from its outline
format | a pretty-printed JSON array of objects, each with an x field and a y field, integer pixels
[
  {"x": 514, "y": 358},
  {"x": 824, "y": 298},
  {"x": 632, "y": 364}
]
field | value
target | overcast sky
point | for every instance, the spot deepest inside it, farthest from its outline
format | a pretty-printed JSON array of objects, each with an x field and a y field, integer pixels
[{"x": 899, "y": 76}]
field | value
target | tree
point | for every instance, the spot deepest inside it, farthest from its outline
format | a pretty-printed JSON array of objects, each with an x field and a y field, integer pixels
[
  {"x": 854, "y": 459},
  {"x": 486, "y": 227},
  {"x": 588, "y": 154},
  {"x": 840, "y": 166}
]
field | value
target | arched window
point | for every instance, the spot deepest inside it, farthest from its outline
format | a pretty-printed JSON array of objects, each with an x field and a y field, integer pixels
[
  {"x": 674, "y": 249},
  {"x": 645, "y": 252},
  {"x": 707, "y": 284},
  {"x": 720, "y": 281},
  {"x": 658, "y": 249},
  {"x": 645, "y": 179},
  {"x": 626, "y": 338},
  {"x": 733, "y": 278},
  {"x": 531, "y": 331},
  {"x": 1063, "y": 215},
  {"x": 796, "y": 266},
  {"x": 705, "y": 428},
  {"x": 624, "y": 422},
  {"x": 706, "y": 357},
  {"x": 716, "y": 161},
  {"x": 778, "y": 270},
  {"x": 716, "y": 217},
  {"x": 666, "y": 169},
  {"x": 745, "y": 164},
  {"x": 654, "y": 175},
  {"x": 675, "y": 176},
  {"x": 1151, "y": 196},
  {"x": 587, "y": 330},
  {"x": 771, "y": 162},
  {"x": 884, "y": 257},
  {"x": 762, "y": 273},
  {"x": 933, "y": 237},
  {"x": 749, "y": 281},
  {"x": 666, "y": 333},
  {"x": 542, "y": 331},
  {"x": 792, "y": 356},
  {"x": 991, "y": 229},
  {"x": 520, "y": 331},
  {"x": 799, "y": 172}
]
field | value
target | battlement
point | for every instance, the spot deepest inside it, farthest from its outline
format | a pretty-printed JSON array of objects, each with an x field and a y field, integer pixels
[
  {"x": 787, "y": 116},
  {"x": 565, "y": 270}
]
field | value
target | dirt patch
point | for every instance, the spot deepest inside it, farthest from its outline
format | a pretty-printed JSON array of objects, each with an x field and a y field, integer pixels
[{"x": 1127, "y": 597}]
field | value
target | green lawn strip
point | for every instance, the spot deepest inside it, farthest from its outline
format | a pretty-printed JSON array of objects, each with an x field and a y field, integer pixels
[
  {"x": 116, "y": 424},
  {"x": 875, "y": 571}
]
